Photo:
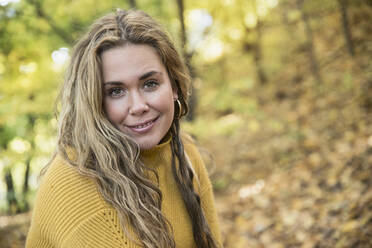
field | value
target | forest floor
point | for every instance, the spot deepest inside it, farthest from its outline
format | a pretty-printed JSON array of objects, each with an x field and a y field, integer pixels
[{"x": 301, "y": 177}]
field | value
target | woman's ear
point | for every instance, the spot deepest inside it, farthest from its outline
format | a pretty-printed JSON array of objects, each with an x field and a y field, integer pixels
[{"x": 175, "y": 95}]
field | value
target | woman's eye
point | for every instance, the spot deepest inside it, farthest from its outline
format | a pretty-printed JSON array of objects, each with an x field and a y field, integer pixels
[
  {"x": 150, "y": 84},
  {"x": 116, "y": 92}
]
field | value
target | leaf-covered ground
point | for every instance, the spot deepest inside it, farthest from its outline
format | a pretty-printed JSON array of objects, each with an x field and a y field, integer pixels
[
  {"x": 319, "y": 202},
  {"x": 302, "y": 178}
]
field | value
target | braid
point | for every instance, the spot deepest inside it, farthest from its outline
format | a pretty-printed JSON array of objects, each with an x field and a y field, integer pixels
[{"x": 184, "y": 175}]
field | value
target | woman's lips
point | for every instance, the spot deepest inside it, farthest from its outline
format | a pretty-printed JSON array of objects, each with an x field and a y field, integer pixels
[{"x": 143, "y": 127}]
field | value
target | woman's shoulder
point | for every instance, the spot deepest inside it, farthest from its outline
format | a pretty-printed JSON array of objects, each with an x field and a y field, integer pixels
[
  {"x": 194, "y": 153},
  {"x": 62, "y": 176},
  {"x": 66, "y": 201},
  {"x": 191, "y": 147},
  {"x": 187, "y": 139},
  {"x": 196, "y": 156},
  {"x": 64, "y": 192}
]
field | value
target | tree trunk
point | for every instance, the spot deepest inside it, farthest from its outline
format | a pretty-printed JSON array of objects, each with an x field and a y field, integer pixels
[
  {"x": 346, "y": 27},
  {"x": 310, "y": 42},
  {"x": 256, "y": 46},
  {"x": 13, "y": 206},
  {"x": 181, "y": 10},
  {"x": 284, "y": 9},
  {"x": 132, "y": 4},
  {"x": 31, "y": 120},
  {"x": 292, "y": 39},
  {"x": 187, "y": 56},
  {"x": 26, "y": 186},
  {"x": 257, "y": 54}
]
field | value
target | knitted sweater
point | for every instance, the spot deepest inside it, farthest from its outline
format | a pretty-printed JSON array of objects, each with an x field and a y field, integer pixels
[{"x": 70, "y": 212}]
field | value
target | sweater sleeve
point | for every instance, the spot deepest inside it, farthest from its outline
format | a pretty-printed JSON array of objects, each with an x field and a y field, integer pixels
[
  {"x": 69, "y": 212},
  {"x": 205, "y": 192},
  {"x": 100, "y": 230},
  {"x": 208, "y": 205}
]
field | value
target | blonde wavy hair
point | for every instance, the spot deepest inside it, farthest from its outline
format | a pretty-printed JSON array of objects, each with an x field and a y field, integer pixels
[{"x": 109, "y": 156}]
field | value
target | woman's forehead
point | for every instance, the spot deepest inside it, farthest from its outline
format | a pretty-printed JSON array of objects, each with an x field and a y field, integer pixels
[{"x": 131, "y": 62}]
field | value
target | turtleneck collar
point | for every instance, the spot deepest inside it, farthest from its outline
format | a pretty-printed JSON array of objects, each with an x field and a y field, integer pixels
[{"x": 157, "y": 155}]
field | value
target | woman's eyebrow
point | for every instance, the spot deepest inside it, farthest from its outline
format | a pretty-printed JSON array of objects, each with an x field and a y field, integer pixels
[
  {"x": 148, "y": 74},
  {"x": 142, "y": 77}
]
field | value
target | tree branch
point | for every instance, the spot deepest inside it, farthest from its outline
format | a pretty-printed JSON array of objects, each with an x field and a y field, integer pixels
[
  {"x": 66, "y": 37},
  {"x": 132, "y": 4}
]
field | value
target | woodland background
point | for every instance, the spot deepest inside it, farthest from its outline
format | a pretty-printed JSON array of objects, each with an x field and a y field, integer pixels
[{"x": 282, "y": 108}]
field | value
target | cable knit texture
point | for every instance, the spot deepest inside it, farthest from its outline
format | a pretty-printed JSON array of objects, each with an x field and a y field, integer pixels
[{"x": 70, "y": 212}]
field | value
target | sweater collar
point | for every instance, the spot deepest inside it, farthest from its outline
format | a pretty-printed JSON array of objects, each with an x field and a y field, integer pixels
[{"x": 157, "y": 155}]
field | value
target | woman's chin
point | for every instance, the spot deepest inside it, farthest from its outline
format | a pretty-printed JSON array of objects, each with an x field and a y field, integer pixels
[{"x": 146, "y": 145}]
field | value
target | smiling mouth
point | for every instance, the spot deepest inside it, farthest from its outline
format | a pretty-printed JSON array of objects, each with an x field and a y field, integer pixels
[{"x": 143, "y": 126}]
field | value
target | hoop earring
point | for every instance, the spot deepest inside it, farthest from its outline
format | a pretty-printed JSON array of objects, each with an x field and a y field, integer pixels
[{"x": 179, "y": 109}]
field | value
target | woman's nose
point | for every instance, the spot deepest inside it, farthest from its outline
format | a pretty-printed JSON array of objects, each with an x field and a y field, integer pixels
[{"x": 138, "y": 104}]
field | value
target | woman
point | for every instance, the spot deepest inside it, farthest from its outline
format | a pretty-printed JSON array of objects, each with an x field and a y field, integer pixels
[{"x": 123, "y": 175}]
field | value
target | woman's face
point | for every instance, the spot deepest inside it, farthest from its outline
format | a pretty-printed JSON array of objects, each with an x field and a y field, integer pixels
[{"x": 138, "y": 95}]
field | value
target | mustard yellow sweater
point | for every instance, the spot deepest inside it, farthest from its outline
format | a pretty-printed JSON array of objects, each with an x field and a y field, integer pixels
[{"x": 69, "y": 211}]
